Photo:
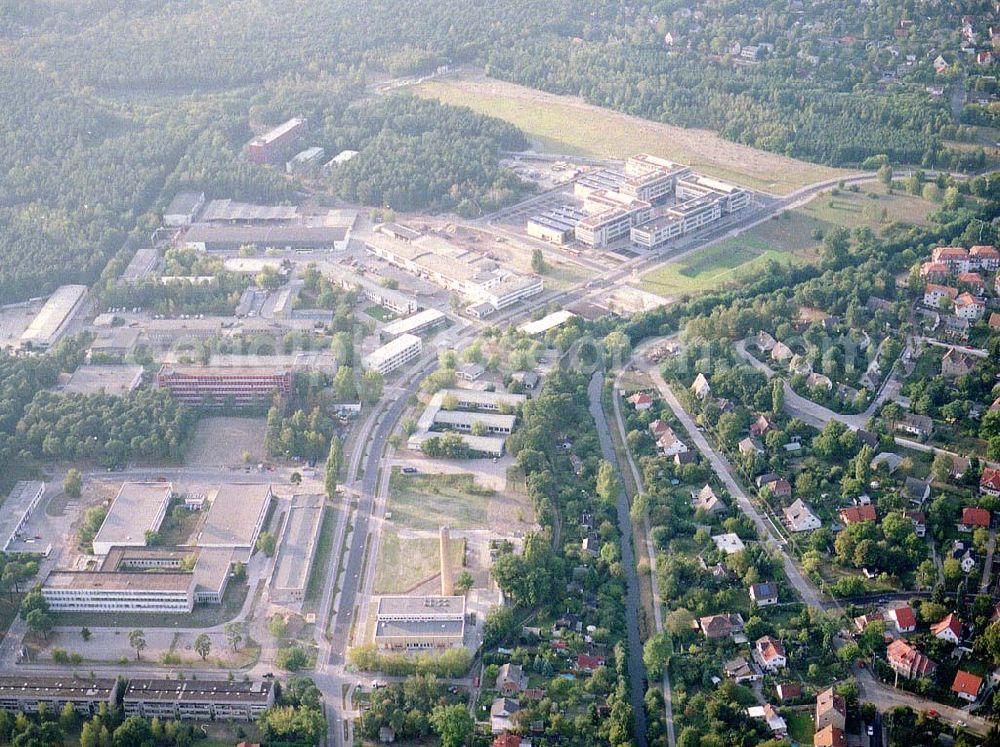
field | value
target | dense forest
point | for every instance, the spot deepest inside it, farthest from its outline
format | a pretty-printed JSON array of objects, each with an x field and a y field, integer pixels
[{"x": 112, "y": 106}]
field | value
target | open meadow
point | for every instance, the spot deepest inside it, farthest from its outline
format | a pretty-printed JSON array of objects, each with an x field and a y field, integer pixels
[{"x": 566, "y": 124}]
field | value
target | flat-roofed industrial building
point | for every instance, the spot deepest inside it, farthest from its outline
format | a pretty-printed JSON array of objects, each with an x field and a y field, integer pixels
[
  {"x": 461, "y": 420},
  {"x": 222, "y": 386},
  {"x": 138, "y": 508},
  {"x": 26, "y": 693},
  {"x": 199, "y": 699},
  {"x": 297, "y": 550},
  {"x": 183, "y": 208},
  {"x": 213, "y": 237},
  {"x": 99, "y": 591},
  {"x": 556, "y": 226},
  {"x": 15, "y": 511},
  {"x": 112, "y": 379},
  {"x": 414, "y": 324},
  {"x": 388, "y": 298},
  {"x": 420, "y": 623},
  {"x": 547, "y": 322},
  {"x": 269, "y": 147},
  {"x": 236, "y": 517},
  {"x": 54, "y": 317},
  {"x": 393, "y": 354}
]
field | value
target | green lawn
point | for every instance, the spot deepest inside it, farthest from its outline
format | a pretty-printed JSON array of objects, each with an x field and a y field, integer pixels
[
  {"x": 865, "y": 208},
  {"x": 324, "y": 546},
  {"x": 382, "y": 315},
  {"x": 800, "y": 727},
  {"x": 430, "y": 501},
  {"x": 563, "y": 124},
  {"x": 406, "y": 562}
]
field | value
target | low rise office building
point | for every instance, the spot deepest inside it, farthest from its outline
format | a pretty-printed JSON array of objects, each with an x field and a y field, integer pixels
[{"x": 393, "y": 354}]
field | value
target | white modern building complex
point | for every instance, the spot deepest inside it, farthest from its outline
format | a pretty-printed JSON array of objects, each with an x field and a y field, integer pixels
[
  {"x": 393, "y": 354},
  {"x": 98, "y": 591},
  {"x": 415, "y": 324}
]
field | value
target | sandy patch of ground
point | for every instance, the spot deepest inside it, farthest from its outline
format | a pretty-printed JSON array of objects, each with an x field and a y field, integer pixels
[{"x": 221, "y": 441}]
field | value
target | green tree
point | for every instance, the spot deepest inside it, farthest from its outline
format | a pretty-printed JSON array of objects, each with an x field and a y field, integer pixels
[
  {"x": 334, "y": 465},
  {"x": 137, "y": 640},
  {"x": 134, "y": 731},
  {"x": 73, "y": 484},
  {"x": 538, "y": 262},
  {"x": 453, "y": 724},
  {"x": 234, "y": 633},
  {"x": 608, "y": 484},
  {"x": 266, "y": 543},
  {"x": 464, "y": 582},
  {"x": 203, "y": 645},
  {"x": 39, "y": 622},
  {"x": 85, "y": 633},
  {"x": 371, "y": 387}
]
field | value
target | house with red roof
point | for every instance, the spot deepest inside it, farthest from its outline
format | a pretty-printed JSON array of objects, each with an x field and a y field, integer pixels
[
  {"x": 956, "y": 257},
  {"x": 761, "y": 426},
  {"x": 506, "y": 740},
  {"x": 974, "y": 518},
  {"x": 994, "y": 322},
  {"x": 967, "y": 686},
  {"x": 908, "y": 662},
  {"x": 989, "y": 481},
  {"x": 830, "y": 736},
  {"x": 789, "y": 690},
  {"x": 641, "y": 401},
  {"x": 906, "y": 621},
  {"x": 985, "y": 258},
  {"x": 969, "y": 307},
  {"x": 948, "y": 628},
  {"x": 934, "y": 272},
  {"x": 770, "y": 654},
  {"x": 588, "y": 663},
  {"x": 934, "y": 294},
  {"x": 858, "y": 514},
  {"x": 974, "y": 281}
]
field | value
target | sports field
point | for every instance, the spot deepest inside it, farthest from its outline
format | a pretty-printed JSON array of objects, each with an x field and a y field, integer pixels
[{"x": 566, "y": 124}]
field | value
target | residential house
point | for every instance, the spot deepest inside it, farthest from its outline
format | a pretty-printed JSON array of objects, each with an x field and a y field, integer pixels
[
  {"x": 788, "y": 691},
  {"x": 955, "y": 363},
  {"x": 729, "y": 543},
  {"x": 984, "y": 258},
  {"x": 766, "y": 712},
  {"x": 706, "y": 500},
  {"x": 948, "y": 629},
  {"x": 916, "y": 425},
  {"x": 907, "y": 661},
  {"x": 994, "y": 321},
  {"x": 819, "y": 381},
  {"x": 502, "y": 714},
  {"x": 769, "y": 653},
  {"x": 858, "y": 514},
  {"x": 916, "y": 490},
  {"x": 589, "y": 663},
  {"x": 715, "y": 627},
  {"x": 830, "y": 736},
  {"x": 800, "y": 365},
  {"x": 989, "y": 481},
  {"x": 934, "y": 272},
  {"x": 761, "y": 426},
  {"x": 684, "y": 457},
  {"x": 740, "y": 670},
  {"x": 750, "y": 446},
  {"x": 903, "y": 617},
  {"x": 764, "y": 594},
  {"x": 779, "y": 486},
  {"x": 934, "y": 294},
  {"x": 764, "y": 342},
  {"x": 507, "y": 740},
  {"x": 863, "y": 621},
  {"x": 919, "y": 521},
  {"x": 974, "y": 281},
  {"x": 967, "y": 686},
  {"x": 974, "y": 518},
  {"x": 956, "y": 257},
  {"x": 511, "y": 680},
  {"x": 800, "y": 517},
  {"x": 669, "y": 445},
  {"x": 641, "y": 401},
  {"x": 700, "y": 387},
  {"x": 831, "y": 710},
  {"x": 964, "y": 554},
  {"x": 781, "y": 352},
  {"x": 969, "y": 307}
]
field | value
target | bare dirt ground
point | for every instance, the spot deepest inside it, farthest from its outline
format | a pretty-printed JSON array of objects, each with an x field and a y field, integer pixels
[
  {"x": 569, "y": 125},
  {"x": 221, "y": 441}
]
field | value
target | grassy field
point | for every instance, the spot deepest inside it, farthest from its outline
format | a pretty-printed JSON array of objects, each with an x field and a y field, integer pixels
[
  {"x": 404, "y": 562},
  {"x": 564, "y": 124},
  {"x": 324, "y": 546},
  {"x": 800, "y": 727},
  {"x": 380, "y": 314},
  {"x": 784, "y": 240},
  {"x": 428, "y": 502},
  {"x": 865, "y": 208}
]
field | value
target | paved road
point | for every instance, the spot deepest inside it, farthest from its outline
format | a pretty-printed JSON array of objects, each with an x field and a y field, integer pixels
[
  {"x": 636, "y": 667},
  {"x": 727, "y": 474},
  {"x": 885, "y": 697}
]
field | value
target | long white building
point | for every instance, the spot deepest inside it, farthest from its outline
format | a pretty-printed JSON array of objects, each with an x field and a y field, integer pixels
[
  {"x": 393, "y": 354},
  {"x": 138, "y": 508},
  {"x": 98, "y": 591},
  {"x": 54, "y": 317}
]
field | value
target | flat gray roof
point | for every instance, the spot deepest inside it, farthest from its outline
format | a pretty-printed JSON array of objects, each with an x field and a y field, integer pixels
[
  {"x": 461, "y": 417},
  {"x": 434, "y": 606},
  {"x": 230, "y": 210},
  {"x": 15, "y": 506},
  {"x": 235, "y": 513},
  {"x": 298, "y": 542},
  {"x": 212, "y": 568},
  {"x": 111, "y": 379},
  {"x": 184, "y": 203},
  {"x": 116, "y": 581},
  {"x": 420, "y": 628},
  {"x": 69, "y": 687},
  {"x": 138, "y": 507},
  {"x": 278, "y": 235},
  {"x": 54, "y": 314},
  {"x": 194, "y": 691}
]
